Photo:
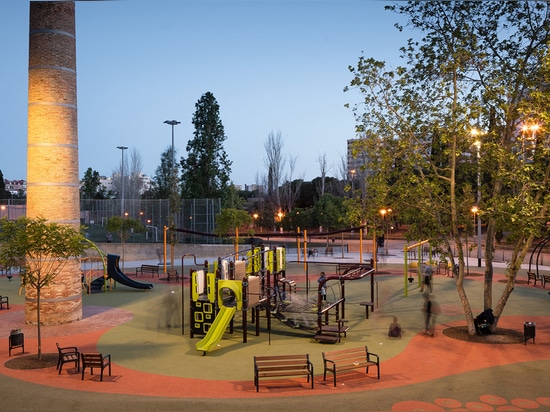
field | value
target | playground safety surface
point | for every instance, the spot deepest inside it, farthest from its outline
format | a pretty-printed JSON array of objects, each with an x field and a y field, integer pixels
[{"x": 156, "y": 368}]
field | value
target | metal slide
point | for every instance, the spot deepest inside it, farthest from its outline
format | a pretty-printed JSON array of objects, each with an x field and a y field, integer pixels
[{"x": 216, "y": 331}]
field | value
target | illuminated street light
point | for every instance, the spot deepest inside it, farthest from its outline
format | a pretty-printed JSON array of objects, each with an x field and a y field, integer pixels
[
  {"x": 386, "y": 228},
  {"x": 525, "y": 136}
]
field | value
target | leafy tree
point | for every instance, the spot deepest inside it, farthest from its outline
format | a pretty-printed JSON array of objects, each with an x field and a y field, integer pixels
[
  {"x": 124, "y": 227},
  {"x": 297, "y": 218},
  {"x": 229, "y": 220},
  {"x": 233, "y": 199},
  {"x": 3, "y": 192},
  {"x": 330, "y": 212},
  {"x": 91, "y": 187},
  {"x": 478, "y": 64},
  {"x": 44, "y": 248},
  {"x": 163, "y": 175},
  {"x": 206, "y": 170}
]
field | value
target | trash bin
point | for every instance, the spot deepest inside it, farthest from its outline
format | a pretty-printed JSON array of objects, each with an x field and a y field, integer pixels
[
  {"x": 529, "y": 331},
  {"x": 16, "y": 340}
]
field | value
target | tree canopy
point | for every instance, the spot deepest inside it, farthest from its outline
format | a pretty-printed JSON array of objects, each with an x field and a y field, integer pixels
[
  {"x": 479, "y": 66},
  {"x": 206, "y": 169}
]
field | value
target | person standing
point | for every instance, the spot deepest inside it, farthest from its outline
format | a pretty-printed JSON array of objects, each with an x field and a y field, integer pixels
[
  {"x": 429, "y": 309},
  {"x": 427, "y": 281}
]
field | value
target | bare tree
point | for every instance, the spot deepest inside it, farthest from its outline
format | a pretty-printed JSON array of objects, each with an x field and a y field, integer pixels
[
  {"x": 290, "y": 189},
  {"x": 135, "y": 178},
  {"x": 275, "y": 164},
  {"x": 322, "y": 160},
  {"x": 132, "y": 173}
]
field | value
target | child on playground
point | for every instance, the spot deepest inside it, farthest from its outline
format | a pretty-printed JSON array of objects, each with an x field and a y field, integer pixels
[
  {"x": 321, "y": 279},
  {"x": 395, "y": 329}
]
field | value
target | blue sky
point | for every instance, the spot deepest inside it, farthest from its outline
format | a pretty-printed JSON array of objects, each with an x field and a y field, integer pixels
[{"x": 273, "y": 66}]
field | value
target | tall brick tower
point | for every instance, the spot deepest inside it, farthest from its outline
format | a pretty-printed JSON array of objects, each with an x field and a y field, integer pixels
[{"x": 52, "y": 152}]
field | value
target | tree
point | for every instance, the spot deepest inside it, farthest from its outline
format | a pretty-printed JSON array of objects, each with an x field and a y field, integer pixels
[
  {"x": 132, "y": 173},
  {"x": 41, "y": 249},
  {"x": 91, "y": 187},
  {"x": 275, "y": 164},
  {"x": 322, "y": 160},
  {"x": 3, "y": 192},
  {"x": 231, "y": 220},
  {"x": 163, "y": 175},
  {"x": 124, "y": 227},
  {"x": 330, "y": 213},
  {"x": 478, "y": 64},
  {"x": 206, "y": 170}
]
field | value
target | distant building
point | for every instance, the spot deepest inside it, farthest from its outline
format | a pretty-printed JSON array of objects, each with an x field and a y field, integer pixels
[
  {"x": 16, "y": 186},
  {"x": 252, "y": 188}
]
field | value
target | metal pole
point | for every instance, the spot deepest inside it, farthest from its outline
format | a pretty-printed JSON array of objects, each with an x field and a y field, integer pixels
[
  {"x": 122, "y": 149},
  {"x": 478, "y": 205}
]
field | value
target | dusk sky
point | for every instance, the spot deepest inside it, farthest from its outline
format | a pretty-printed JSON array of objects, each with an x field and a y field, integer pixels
[{"x": 272, "y": 65}]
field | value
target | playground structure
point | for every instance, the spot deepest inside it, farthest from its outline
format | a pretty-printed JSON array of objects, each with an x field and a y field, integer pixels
[
  {"x": 418, "y": 253},
  {"x": 258, "y": 283},
  {"x": 96, "y": 279},
  {"x": 93, "y": 267}
]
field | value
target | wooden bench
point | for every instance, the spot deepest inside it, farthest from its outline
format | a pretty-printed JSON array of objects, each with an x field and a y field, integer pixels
[
  {"x": 68, "y": 354},
  {"x": 544, "y": 279},
  {"x": 349, "y": 359},
  {"x": 367, "y": 305},
  {"x": 282, "y": 366},
  {"x": 95, "y": 360},
  {"x": 4, "y": 300},
  {"x": 152, "y": 269}
]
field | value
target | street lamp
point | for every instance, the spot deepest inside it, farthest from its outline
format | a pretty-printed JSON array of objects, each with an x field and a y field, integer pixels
[
  {"x": 122, "y": 149},
  {"x": 172, "y": 123},
  {"x": 477, "y": 144},
  {"x": 533, "y": 128},
  {"x": 386, "y": 229},
  {"x": 352, "y": 172},
  {"x": 172, "y": 195}
]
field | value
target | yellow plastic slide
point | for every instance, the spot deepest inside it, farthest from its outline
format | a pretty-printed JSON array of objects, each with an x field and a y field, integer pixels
[{"x": 216, "y": 331}]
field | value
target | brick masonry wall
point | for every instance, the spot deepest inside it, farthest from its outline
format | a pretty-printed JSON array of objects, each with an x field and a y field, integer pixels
[{"x": 52, "y": 155}]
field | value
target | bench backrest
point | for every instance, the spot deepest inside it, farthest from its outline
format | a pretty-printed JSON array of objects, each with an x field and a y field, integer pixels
[
  {"x": 93, "y": 360},
  {"x": 359, "y": 353},
  {"x": 281, "y": 360}
]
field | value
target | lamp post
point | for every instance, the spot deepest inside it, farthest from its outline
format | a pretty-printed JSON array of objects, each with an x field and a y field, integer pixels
[
  {"x": 386, "y": 230},
  {"x": 477, "y": 144},
  {"x": 172, "y": 123},
  {"x": 475, "y": 211},
  {"x": 122, "y": 149},
  {"x": 172, "y": 196},
  {"x": 352, "y": 172}
]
